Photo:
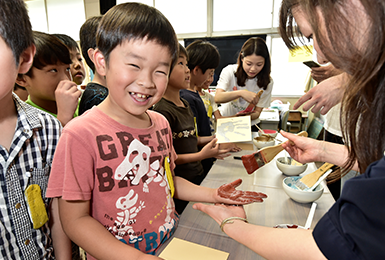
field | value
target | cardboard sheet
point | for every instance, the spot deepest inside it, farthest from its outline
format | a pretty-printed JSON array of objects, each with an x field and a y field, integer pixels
[
  {"x": 234, "y": 129},
  {"x": 179, "y": 249}
]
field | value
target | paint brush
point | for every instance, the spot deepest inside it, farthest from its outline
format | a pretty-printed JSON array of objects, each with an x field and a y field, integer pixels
[
  {"x": 256, "y": 160},
  {"x": 307, "y": 181}
]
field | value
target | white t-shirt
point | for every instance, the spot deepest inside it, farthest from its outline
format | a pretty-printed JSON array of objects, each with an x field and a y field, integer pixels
[
  {"x": 228, "y": 82},
  {"x": 332, "y": 120}
]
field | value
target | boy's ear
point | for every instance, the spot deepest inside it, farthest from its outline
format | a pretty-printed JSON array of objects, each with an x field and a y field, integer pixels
[
  {"x": 26, "y": 59},
  {"x": 90, "y": 53},
  {"x": 195, "y": 71},
  {"x": 100, "y": 62},
  {"x": 22, "y": 81}
]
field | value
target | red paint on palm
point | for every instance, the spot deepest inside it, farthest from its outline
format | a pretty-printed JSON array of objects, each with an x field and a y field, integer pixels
[{"x": 228, "y": 191}]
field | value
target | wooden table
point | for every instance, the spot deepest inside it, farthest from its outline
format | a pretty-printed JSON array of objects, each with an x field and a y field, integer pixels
[{"x": 278, "y": 208}]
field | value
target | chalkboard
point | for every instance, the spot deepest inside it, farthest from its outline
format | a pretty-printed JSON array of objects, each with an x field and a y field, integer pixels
[{"x": 228, "y": 47}]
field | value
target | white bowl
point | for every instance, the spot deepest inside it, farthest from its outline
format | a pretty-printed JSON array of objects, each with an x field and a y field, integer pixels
[
  {"x": 289, "y": 169},
  {"x": 263, "y": 141},
  {"x": 272, "y": 133},
  {"x": 298, "y": 195}
]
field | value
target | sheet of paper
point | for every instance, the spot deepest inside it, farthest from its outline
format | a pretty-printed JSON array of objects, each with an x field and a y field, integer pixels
[
  {"x": 301, "y": 54},
  {"x": 234, "y": 129},
  {"x": 179, "y": 249}
]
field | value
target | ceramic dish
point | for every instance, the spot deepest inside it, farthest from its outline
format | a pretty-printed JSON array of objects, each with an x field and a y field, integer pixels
[
  {"x": 290, "y": 188},
  {"x": 290, "y": 167}
]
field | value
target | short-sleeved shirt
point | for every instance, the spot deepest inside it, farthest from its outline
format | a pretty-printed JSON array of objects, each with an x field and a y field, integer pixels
[
  {"x": 354, "y": 228},
  {"x": 182, "y": 125},
  {"x": 123, "y": 172},
  {"x": 228, "y": 82},
  {"x": 93, "y": 95},
  {"x": 211, "y": 107},
  {"x": 30, "y": 102},
  {"x": 199, "y": 111},
  {"x": 27, "y": 162}
]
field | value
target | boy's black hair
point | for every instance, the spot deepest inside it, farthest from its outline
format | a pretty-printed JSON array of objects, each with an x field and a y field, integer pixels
[
  {"x": 87, "y": 36},
  {"x": 49, "y": 51},
  {"x": 135, "y": 21},
  {"x": 67, "y": 40},
  {"x": 182, "y": 51},
  {"x": 15, "y": 27},
  {"x": 203, "y": 54}
]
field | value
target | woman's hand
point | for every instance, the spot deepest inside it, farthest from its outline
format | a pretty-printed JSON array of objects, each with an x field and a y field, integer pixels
[
  {"x": 249, "y": 96},
  {"x": 303, "y": 149},
  {"x": 324, "y": 96},
  {"x": 220, "y": 212}
]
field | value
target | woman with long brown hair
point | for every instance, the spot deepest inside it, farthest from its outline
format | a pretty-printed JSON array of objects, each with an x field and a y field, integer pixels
[
  {"x": 239, "y": 84},
  {"x": 354, "y": 227}
]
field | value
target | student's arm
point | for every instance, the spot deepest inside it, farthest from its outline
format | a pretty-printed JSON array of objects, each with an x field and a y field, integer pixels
[
  {"x": 222, "y": 96},
  {"x": 210, "y": 150},
  {"x": 256, "y": 113},
  {"x": 226, "y": 193},
  {"x": 217, "y": 114},
  {"x": 67, "y": 98},
  {"x": 203, "y": 140},
  {"x": 90, "y": 234},
  {"x": 61, "y": 243},
  {"x": 268, "y": 242}
]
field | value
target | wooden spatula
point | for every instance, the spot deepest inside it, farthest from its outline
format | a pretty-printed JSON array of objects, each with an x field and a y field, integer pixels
[{"x": 310, "y": 179}]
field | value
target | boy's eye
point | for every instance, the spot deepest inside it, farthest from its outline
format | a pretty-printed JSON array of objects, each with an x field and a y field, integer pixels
[
  {"x": 180, "y": 63},
  {"x": 134, "y": 65},
  {"x": 162, "y": 72},
  {"x": 53, "y": 70}
]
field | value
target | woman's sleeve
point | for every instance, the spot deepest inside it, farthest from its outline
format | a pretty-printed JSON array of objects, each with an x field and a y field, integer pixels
[{"x": 225, "y": 78}]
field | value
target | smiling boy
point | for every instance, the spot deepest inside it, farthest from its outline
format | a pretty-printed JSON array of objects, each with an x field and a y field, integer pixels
[{"x": 113, "y": 168}]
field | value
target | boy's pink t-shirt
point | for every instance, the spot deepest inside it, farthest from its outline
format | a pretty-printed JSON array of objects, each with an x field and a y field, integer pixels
[{"x": 122, "y": 171}]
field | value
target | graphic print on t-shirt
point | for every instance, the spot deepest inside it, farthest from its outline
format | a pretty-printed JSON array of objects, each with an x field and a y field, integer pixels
[{"x": 143, "y": 214}]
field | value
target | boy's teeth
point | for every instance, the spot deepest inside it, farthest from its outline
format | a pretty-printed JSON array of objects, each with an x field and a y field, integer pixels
[{"x": 139, "y": 95}]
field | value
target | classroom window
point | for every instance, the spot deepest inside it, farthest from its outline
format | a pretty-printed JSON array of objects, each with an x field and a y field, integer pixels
[
  {"x": 289, "y": 77},
  {"x": 37, "y": 15},
  {"x": 185, "y": 16},
  {"x": 232, "y": 15},
  {"x": 66, "y": 17}
]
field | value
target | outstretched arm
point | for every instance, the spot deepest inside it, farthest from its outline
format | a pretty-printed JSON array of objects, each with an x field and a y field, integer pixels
[
  {"x": 324, "y": 96},
  {"x": 226, "y": 193},
  {"x": 270, "y": 243},
  {"x": 303, "y": 149},
  {"x": 222, "y": 96}
]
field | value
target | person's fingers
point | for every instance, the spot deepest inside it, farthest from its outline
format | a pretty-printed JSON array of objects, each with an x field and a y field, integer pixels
[{"x": 301, "y": 101}]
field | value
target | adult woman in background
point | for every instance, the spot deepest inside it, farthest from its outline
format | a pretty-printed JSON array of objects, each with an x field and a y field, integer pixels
[
  {"x": 354, "y": 227},
  {"x": 239, "y": 84}
]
